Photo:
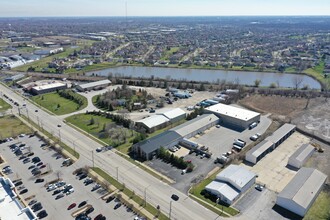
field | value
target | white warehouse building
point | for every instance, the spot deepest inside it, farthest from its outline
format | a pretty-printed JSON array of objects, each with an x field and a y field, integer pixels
[
  {"x": 94, "y": 85},
  {"x": 301, "y": 155},
  {"x": 301, "y": 192},
  {"x": 231, "y": 183},
  {"x": 234, "y": 116}
]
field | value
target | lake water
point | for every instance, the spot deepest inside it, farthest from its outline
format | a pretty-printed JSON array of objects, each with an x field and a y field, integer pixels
[{"x": 244, "y": 78}]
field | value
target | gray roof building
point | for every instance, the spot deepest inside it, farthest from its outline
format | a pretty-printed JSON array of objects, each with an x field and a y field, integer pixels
[
  {"x": 282, "y": 132},
  {"x": 93, "y": 85},
  {"x": 301, "y": 192},
  {"x": 301, "y": 155},
  {"x": 259, "y": 151}
]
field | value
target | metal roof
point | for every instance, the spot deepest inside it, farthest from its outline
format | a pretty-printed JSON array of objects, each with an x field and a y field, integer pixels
[
  {"x": 281, "y": 132},
  {"x": 154, "y": 121},
  {"x": 94, "y": 84},
  {"x": 304, "y": 186},
  {"x": 223, "y": 189},
  {"x": 48, "y": 86},
  {"x": 162, "y": 140},
  {"x": 173, "y": 113},
  {"x": 301, "y": 153},
  {"x": 233, "y": 112},
  {"x": 260, "y": 148},
  {"x": 236, "y": 175},
  {"x": 195, "y": 124}
]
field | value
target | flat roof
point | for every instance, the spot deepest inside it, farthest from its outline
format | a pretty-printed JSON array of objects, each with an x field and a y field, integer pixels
[
  {"x": 93, "y": 84},
  {"x": 48, "y": 86},
  {"x": 236, "y": 175},
  {"x": 195, "y": 124},
  {"x": 163, "y": 139},
  {"x": 154, "y": 121},
  {"x": 281, "y": 132},
  {"x": 233, "y": 112},
  {"x": 9, "y": 206},
  {"x": 302, "y": 153},
  {"x": 173, "y": 113},
  {"x": 304, "y": 186},
  {"x": 223, "y": 189},
  {"x": 260, "y": 148}
]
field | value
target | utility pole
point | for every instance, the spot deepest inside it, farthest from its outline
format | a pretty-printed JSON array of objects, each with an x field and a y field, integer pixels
[
  {"x": 170, "y": 210},
  {"x": 117, "y": 173},
  {"x": 93, "y": 158},
  {"x": 145, "y": 195}
]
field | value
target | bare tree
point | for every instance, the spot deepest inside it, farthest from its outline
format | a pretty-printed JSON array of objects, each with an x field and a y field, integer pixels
[
  {"x": 297, "y": 81},
  {"x": 58, "y": 174}
]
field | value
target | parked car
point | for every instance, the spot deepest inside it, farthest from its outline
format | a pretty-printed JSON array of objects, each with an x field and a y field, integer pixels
[
  {"x": 99, "y": 149},
  {"x": 40, "y": 163},
  {"x": 90, "y": 210},
  {"x": 22, "y": 157},
  {"x": 32, "y": 202},
  {"x": 82, "y": 204},
  {"x": 23, "y": 191},
  {"x": 39, "y": 180},
  {"x": 59, "y": 196},
  {"x": 32, "y": 167},
  {"x": 26, "y": 160},
  {"x": 117, "y": 205},
  {"x": 18, "y": 183},
  {"x": 72, "y": 206},
  {"x": 57, "y": 191},
  {"x": 42, "y": 214},
  {"x": 259, "y": 187},
  {"x": 110, "y": 199},
  {"x": 83, "y": 176},
  {"x": 36, "y": 160},
  {"x": 97, "y": 186}
]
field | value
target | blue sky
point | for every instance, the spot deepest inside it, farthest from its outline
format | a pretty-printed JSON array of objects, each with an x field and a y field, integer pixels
[{"x": 23, "y": 8}]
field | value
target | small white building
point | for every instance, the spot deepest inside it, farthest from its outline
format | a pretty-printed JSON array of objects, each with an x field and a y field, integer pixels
[
  {"x": 234, "y": 116},
  {"x": 153, "y": 123},
  {"x": 299, "y": 195},
  {"x": 259, "y": 151},
  {"x": 173, "y": 115},
  {"x": 231, "y": 183},
  {"x": 301, "y": 155}
]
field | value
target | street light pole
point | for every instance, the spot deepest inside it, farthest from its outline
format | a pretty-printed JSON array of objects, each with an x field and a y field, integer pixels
[
  {"x": 93, "y": 157},
  {"x": 145, "y": 195},
  {"x": 169, "y": 216},
  {"x": 117, "y": 172}
]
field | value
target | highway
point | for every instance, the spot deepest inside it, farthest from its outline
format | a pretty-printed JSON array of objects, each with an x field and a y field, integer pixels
[{"x": 143, "y": 184}]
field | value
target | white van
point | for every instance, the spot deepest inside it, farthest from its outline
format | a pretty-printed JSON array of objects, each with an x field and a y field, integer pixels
[{"x": 253, "y": 125}]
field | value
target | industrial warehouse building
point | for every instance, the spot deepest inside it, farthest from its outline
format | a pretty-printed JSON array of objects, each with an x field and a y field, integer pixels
[
  {"x": 153, "y": 123},
  {"x": 231, "y": 183},
  {"x": 42, "y": 89},
  {"x": 233, "y": 116},
  {"x": 301, "y": 155},
  {"x": 148, "y": 148},
  {"x": 269, "y": 144},
  {"x": 94, "y": 85},
  {"x": 161, "y": 120},
  {"x": 299, "y": 195}
]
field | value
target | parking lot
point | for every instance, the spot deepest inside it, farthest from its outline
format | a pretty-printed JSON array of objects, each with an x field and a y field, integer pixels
[
  {"x": 272, "y": 169},
  {"x": 55, "y": 208},
  {"x": 220, "y": 140}
]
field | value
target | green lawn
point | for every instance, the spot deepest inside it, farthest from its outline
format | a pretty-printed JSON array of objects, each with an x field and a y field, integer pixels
[
  {"x": 57, "y": 104},
  {"x": 317, "y": 72},
  {"x": 320, "y": 209},
  {"x": 12, "y": 126},
  {"x": 197, "y": 189},
  {"x": 114, "y": 134},
  {"x": 168, "y": 53},
  {"x": 4, "y": 106}
]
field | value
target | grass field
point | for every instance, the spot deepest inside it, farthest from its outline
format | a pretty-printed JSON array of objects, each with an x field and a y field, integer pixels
[
  {"x": 114, "y": 134},
  {"x": 57, "y": 104},
  {"x": 197, "y": 189},
  {"x": 4, "y": 106},
  {"x": 12, "y": 126},
  {"x": 168, "y": 53},
  {"x": 320, "y": 210}
]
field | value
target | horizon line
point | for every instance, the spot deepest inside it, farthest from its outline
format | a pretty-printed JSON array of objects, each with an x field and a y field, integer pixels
[{"x": 159, "y": 16}]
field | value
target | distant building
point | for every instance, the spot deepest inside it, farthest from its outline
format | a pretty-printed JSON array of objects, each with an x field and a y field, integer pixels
[
  {"x": 153, "y": 123},
  {"x": 11, "y": 206},
  {"x": 15, "y": 77},
  {"x": 231, "y": 183},
  {"x": 37, "y": 90},
  {"x": 234, "y": 116},
  {"x": 49, "y": 51},
  {"x": 299, "y": 195},
  {"x": 94, "y": 85},
  {"x": 174, "y": 115}
]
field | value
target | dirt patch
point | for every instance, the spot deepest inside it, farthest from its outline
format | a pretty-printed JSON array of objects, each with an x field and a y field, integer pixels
[{"x": 274, "y": 104}]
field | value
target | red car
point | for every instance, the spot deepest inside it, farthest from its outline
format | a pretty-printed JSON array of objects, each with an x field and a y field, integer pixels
[
  {"x": 72, "y": 206},
  {"x": 43, "y": 166}
]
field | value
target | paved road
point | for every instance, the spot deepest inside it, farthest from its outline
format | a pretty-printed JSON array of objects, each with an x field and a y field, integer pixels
[{"x": 157, "y": 192}]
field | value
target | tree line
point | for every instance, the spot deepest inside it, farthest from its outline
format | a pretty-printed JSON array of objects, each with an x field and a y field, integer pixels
[{"x": 68, "y": 94}]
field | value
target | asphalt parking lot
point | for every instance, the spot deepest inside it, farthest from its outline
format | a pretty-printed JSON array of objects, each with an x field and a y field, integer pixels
[
  {"x": 220, "y": 140},
  {"x": 184, "y": 181},
  {"x": 56, "y": 208}
]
